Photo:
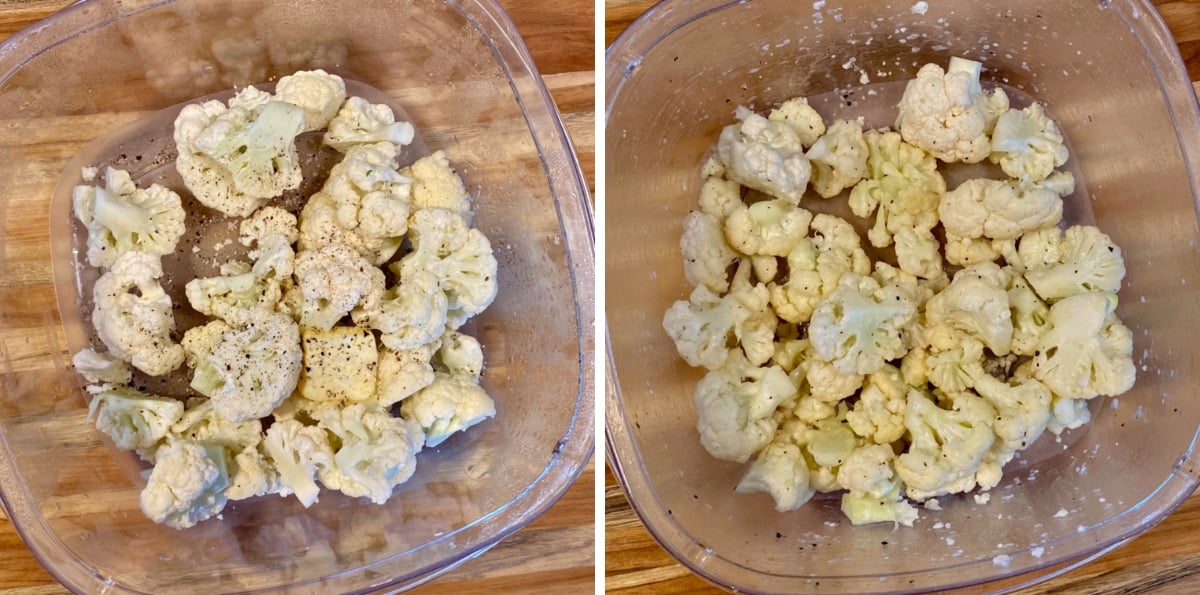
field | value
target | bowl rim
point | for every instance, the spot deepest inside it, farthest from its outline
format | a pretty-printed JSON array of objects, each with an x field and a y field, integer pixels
[
  {"x": 568, "y": 189},
  {"x": 622, "y": 59}
]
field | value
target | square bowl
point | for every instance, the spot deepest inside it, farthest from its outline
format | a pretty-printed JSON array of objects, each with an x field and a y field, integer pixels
[
  {"x": 1109, "y": 72},
  {"x": 461, "y": 71}
]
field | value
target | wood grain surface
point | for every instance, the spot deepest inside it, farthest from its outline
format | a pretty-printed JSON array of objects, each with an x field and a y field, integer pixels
[
  {"x": 1166, "y": 559},
  {"x": 556, "y": 552}
]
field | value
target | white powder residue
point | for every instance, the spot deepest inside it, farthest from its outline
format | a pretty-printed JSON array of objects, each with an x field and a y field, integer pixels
[
  {"x": 819, "y": 4},
  {"x": 1037, "y": 551},
  {"x": 89, "y": 173},
  {"x": 1002, "y": 560},
  {"x": 983, "y": 498},
  {"x": 1061, "y": 514},
  {"x": 920, "y": 7},
  {"x": 863, "y": 78},
  {"x": 933, "y": 504}
]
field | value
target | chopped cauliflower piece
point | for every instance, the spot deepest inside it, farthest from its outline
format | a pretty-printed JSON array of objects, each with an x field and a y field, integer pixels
[
  {"x": 246, "y": 371},
  {"x": 375, "y": 452},
  {"x": 802, "y": 118},
  {"x": 361, "y": 122},
  {"x": 403, "y": 372},
  {"x": 706, "y": 255},
  {"x": 336, "y": 281},
  {"x": 779, "y": 469},
  {"x": 451, "y": 403},
  {"x": 857, "y": 326},
  {"x": 734, "y": 405},
  {"x": 902, "y": 184},
  {"x": 133, "y": 315},
  {"x": 701, "y": 325},
  {"x": 720, "y": 197},
  {"x": 133, "y": 419},
  {"x": 317, "y": 92},
  {"x": 947, "y": 112},
  {"x": 1086, "y": 351},
  {"x": 99, "y": 367},
  {"x": 120, "y": 218},
  {"x": 838, "y": 158},
  {"x": 1060, "y": 264},
  {"x": 948, "y": 445},
  {"x": 976, "y": 303},
  {"x": 766, "y": 155},
  {"x": 767, "y": 228},
  {"x": 186, "y": 486},
  {"x": 461, "y": 258},
  {"x": 437, "y": 185},
  {"x": 998, "y": 209},
  {"x": 1027, "y": 144}
]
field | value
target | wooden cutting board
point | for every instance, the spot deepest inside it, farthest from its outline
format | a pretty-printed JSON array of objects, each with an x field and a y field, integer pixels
[
  {"x": 1164, "y": 560},
  {"x": 556, "y": 552}
]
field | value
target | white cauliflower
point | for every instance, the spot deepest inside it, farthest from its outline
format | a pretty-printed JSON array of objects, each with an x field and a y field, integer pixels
[
  {"x": 133, "y": 315},
  {"x": 1027, "y": 144},
  {"x": 998, "y": 209},
  {"x": 947, "y": 112},
  {"x": 133, "y": 419},
  {"x": 451, "y": 403},
  {"x": 826, "y": 383},
  {"x": 706, "y": 255},
  {"x": 878, "y": 415},
  {"x": 780, "y": 470},
  {"x": 335, "y": 281},
  {"x": 266, "y": 224},
  {"x": 249, "y": 473},
  {"x": 858, "y": 325},
  {"x": 246, "y": 371},
  {"x": 412, "y": 313},
  {"x": 720, "y": 197},
  {"x": 186, "y": 485},
  {"x": 1086, "y": 351},
  {"x": 298, "y": 452},
  {"x": 968, "y": 251},
  {"x": 976, "y": 303},
  {"x": 120, "y": 218},
  {"x": 459, "y": 255},
  {"x": 947, "y": 447},
  {"x": 1022, "y": 407},
  {"x": 235, "y": 158},
  {"x": 734, "y": 405},
  {"x": 375, "y": 452},
  {"x": 1030, "y": 316},
  {"x": 340, "y": 364},
  {"x": 767, "y": 228},
  {"x": 902, "y": 183},
  {"x": 701, "y": 325},
  {"x": 816, "y": 265},
  {"x": 802, "y": 119},
  {"x": 874, "y": 493},
  {"x": 403, "y": 372},
  {"x": 765, "y": 155},
  {"x": 238, "y": 298},
  {"x": 950, "y": 367},
  {"x": 838, "y": 158},
  {"x": 1067, "y": 414},
  {"x": 1061, "y": 264},
  {"x": 99, "y": 367},
  {"x": 766, "y": 268},
  {"x": 361, "y": 122},
  {"x": 918, "y": 252},
  {"x": 460, "y": 355},
  {"x": 437, "y": 185},
  {"x": 317, "y": 92}
]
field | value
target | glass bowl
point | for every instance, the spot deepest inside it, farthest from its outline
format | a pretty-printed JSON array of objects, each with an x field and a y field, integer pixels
[
  {"x": 1110, "y": 73},
  {"x": 461, "y": 71}
]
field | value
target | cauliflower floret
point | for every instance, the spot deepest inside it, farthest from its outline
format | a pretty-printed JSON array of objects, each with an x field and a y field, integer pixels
[
  {"x": 133, "y": 315},
  {"x": 802, "y": 119},
  {"x": 460, "y": 354},
  {"x": 449, "y": 404},
  {"x": 266, "y": 223},
  {"x": 120, "y": 218},
  {"x": 361, "y": 122},
  {"x": 857, "y": 327},
  {"x": 767, "y": 228},
  {"x": 839, "y": 158},
  {"x": 950, "y": 367},
  {"x": 437, "y": 185},
  {"x": 340, "y": 364},
  {"x": 376, "y": 452},
  {"x": 765, "y": 155},
  {"x": 1029, "y": 316},
  {"x": 247, "y": 371},
  {"x": 701, "y": 326},
  {"x": 236, "y": 299},
  {"x": 99, "y": 367},
  {"x": 1067, "y": 414},
  {"x": 878, "y": 415},
  {"x": 874, "y": 493},
  {"x": 234, "y": 159},
  {"x": 1027, "y": 144},
  {"x": 735, "y": 405},
  {"x": 336, "y": 281},
  {"x": 706, "y": 256},
  {"x": 976, "y": 303},
  {"x": 459, "y": 255},
  {"x": 998, "y": 209},
  {"x": 1022, "y": 408},
  {"x": 766, "y": 268},
  {"x": 948, "y": 446},
  {"x": 413, "y": 313},
  {"x": 826, "y": 444},
  {"x": 186, "y": 486},
  {"x": 780, "y": 470},
  {"x": 133, "y": 419},
  {"x": 249, "y": 473},
  {"x": 826, "y": 383},
  {"x": 815, "y": 266},
  {"x": 918, "y": 252},
  {"x": 298, "y": 452},
  {"x": 720, "y": 197},
  {"x": 948, "y": 114},
  {"x": 403, "y": 372},
  {"x": 1086, "y": 351},
  {"x": 317, "y": 92},
  {"x": 1060, "y": 264},
  {"x": 902, "y": 183}
]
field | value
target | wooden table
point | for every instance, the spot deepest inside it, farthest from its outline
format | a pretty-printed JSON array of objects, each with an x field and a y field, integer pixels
[
  {"x": 556, "y": 552},
  {"x": 1164, "y": 560}
]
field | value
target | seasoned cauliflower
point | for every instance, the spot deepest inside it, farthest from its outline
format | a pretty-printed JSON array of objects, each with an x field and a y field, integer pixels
[
  {"x": 734, "y": 405},
  {"x": 360, "y": 122},
  {"x": 133, "y": 315},
  {"x": 780, "y": 470},
  {"x": 701, "y": 325},
  {"x": 461, "y": 355},
  {"x": 976, "y": 303},
  {"x": 902, "y": 183},
  {"x": 874, "y": 493},
  {"x": 120, "y": 218},
  {"x": 802, "y": 119},
  {"x": 375, "y": 452},
  {"x": 816, "y": 265},
  {"x": 838, "y": 158},
  {"x": 766, "y": 155},
  {"x": 317, "y": 92},
  {"x": 706, "y": 255},
  {"x": 298, "y": 452},
  {"x": 336, "y": 281},
  {"x": 403, "y": 372},
  {"x": 413, "y": 313},
  {"x": 918, "y": 252},
  {"x": 1022, "y": 407},
  {"x": 1027, "y": 144},
  {"x": 878, "y": 415},
  {"x": 947, "y": 112},
  {"x": 948, "y": 445},
  {"x": 1061, "y": 264},
  {"x": 767, "y": 228},
  {"x": 186, "y": 485},
  {"x": 235, "y": 158},
  {"x": 437, "y": 185},
  {"x": 246, "y": 371},
  {"x": 461, "y": 258},
  {"x": 133, "y": 419},
  {"x": 998, "y": 209},
  {"x": 340, "y": 364},
  {"x": 99, "y": 367},
  {"x": 720, "y": 197},
  {"x": 1086, "y": 351},
  {"x": 1030, "y": 316},
  {"x": 451, "y": 403},
  {"x": 857, "y": 327}
]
